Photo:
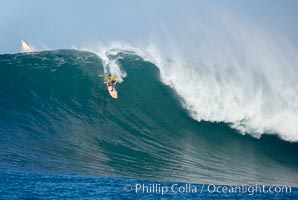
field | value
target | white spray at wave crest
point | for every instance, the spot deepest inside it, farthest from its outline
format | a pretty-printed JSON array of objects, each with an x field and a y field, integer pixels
[
  {"x": 234, "y": 74},
  {"x": 250, "y": 83},
  {"x": 25, "y": 48},
  {"x": 108, "y": 55}
]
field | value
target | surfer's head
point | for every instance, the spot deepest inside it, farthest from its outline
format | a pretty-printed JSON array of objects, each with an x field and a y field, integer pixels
[{"x": 110, "y": 74}]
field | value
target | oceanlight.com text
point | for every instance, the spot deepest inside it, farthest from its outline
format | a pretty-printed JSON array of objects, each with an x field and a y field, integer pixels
[{"x": 158, "y": 188}]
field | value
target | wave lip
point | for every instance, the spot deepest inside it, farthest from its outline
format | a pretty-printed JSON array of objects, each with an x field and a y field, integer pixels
[{"x": 250, "y": 85}]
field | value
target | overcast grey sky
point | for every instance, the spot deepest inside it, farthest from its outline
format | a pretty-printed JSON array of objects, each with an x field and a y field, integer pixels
[{"x": 63, "y": 23}]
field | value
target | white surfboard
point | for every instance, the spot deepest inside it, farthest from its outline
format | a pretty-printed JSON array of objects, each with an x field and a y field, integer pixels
[{"x": 114, "y": 93}]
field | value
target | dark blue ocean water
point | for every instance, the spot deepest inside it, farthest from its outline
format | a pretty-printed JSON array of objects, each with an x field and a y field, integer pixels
[
  {"x": 56, "y": 119},
  {"x": 25, "y": 185}
]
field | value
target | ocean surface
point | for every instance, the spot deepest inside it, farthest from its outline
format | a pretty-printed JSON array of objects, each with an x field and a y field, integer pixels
[{"x": 63, "y": 136}]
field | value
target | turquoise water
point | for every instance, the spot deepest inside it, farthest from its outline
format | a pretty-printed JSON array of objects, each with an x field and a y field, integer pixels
[{"x": 56, "y": 118}]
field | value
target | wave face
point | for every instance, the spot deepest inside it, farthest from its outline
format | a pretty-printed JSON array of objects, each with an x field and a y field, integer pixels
[{"x": 57, "y": 116}]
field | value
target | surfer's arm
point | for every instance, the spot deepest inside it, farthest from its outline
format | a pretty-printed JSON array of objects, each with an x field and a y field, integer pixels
[{"x": 103, "y": 75}]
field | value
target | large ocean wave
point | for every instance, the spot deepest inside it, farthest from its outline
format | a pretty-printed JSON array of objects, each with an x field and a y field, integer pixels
[
  {"x": 56, "y": 115},
  {"x": 253, "y": 91}
]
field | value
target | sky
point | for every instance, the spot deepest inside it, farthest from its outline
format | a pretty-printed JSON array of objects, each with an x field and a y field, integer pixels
[{"x": 55, "y": 24}]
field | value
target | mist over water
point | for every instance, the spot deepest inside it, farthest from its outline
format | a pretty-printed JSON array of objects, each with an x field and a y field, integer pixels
[
  {"x": 230, "y": 70},
  {"x": 225, "y": 69}
]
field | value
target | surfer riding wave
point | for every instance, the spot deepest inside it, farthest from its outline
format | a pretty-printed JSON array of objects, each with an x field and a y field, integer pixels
[{"x": 111, "y": 80}]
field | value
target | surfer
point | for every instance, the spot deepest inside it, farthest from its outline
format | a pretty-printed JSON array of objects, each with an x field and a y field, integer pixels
[{"x": 111, "y": 80}]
